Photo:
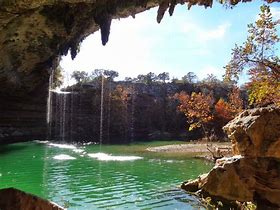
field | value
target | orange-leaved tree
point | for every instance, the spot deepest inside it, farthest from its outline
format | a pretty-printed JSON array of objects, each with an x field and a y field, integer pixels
[
  {"x": 197, "y": 107},
  {"x": 223, "y": 112},
  {"x": 227, "y": 110},
  {"x": 235, "y": 101}
]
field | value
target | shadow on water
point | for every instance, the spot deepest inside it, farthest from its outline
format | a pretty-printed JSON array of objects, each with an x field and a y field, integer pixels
[{"x": 5, "y": 149}]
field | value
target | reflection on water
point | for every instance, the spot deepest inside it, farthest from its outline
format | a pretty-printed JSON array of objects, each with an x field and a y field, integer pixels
[
  {"x": 63, "y": 157},
  {"x": 106, "y": 157},
  {"x": 124, "y": 181}
]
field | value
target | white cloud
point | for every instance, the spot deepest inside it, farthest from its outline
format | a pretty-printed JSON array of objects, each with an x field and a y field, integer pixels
[
  {"x": 214, "y": 34},
  {"x": 202, "y": 35},
  {"x": 275, "y": 11}
]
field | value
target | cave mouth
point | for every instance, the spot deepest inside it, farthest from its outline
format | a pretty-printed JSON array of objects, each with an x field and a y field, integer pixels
[
  {"x": 31, "y": 56},
  {"x": 182, "y": 44}
]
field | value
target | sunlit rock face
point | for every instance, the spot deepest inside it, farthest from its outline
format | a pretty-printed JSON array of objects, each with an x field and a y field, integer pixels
[
  {"x": 254, "y": 174},
  {"x": 11, "y": 198},
  {"x": 242, "y": 179},
  {"x": 256, "y": 133}
]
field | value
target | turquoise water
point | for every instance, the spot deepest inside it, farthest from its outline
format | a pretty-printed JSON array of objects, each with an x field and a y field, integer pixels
[{"x": 82, "y": 178}]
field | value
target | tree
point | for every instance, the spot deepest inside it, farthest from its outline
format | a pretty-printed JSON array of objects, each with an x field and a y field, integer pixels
[
  {"x": 175, "y": 80},
  {"x": 190, "y": 77},
  {"x": 130, "y": 79},
  {"x": 223, "y": 112},
  {"x": 197, "y": 108},
  {"x": 235, "y": 101},
  {"x": 96, "y": 73},
  {"x": 141, "y": 78},
  {"x": 57, "y": 78},
  {"x": 211, "y": 79},
  {"x": 147, "y": 79},
  {"x": 257, "y": 56},
  {"x": 80, "y": 76},
  {"x": 164, "y": 76},
  {"x": 150, "y": 77},
  {"x": 110, "y": 74}
]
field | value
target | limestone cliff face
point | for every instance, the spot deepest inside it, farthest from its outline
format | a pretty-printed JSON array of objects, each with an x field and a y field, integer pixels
[
  {"x": 22, "y": 118},
  {"x": 254, "y": 175}
]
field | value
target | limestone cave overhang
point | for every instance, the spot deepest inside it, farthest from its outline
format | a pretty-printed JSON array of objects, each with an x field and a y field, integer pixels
[{"x": 35, "y": 34}]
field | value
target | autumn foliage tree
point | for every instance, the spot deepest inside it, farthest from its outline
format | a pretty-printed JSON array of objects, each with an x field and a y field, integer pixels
[
  {"x": 235, "y": 101},
  {"x": 197, "y": 109},
  {"x": 258, "y": 56},
  {"x": 223, "y": 111}
]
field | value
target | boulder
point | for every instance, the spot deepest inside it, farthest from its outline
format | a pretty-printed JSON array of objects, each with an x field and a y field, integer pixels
[
  {"x": 256, "y": 132},
  {"x": 11, "y": 198},
  {"x": 241, "y": 179},
  {"x": 253, "y": 175}
]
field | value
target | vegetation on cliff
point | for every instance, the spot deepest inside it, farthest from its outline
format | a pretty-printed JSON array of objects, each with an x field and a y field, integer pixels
[{"x": 145, "y": 107}]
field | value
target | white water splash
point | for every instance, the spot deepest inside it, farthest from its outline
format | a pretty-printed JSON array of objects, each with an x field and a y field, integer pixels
[
  {"x": 106, "y": 157},
  {"x": 41, "y": 142},
  {"x": 78, "y": 150},
  {"x": 63, "y": 157},
  {"x": 57, "y": 90},
  {"x": 63, "y": 146}
]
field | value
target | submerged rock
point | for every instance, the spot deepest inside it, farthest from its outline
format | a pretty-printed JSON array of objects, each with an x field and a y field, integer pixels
[
  {"x": 253, "y": 175},
  {"x": 12, "y": 198}
]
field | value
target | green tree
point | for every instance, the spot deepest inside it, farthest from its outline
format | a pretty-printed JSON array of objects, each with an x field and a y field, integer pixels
[
  {"x": 211, "y": 79},
  {"x": 57, "y": 77},
  {"x": 148, "y": 78},
  {"x": 190, "y": 77},
  {"x": 164, "y": 76},
  {"x": 80, "y": 76},
  {"x": 110, "y": 74}
]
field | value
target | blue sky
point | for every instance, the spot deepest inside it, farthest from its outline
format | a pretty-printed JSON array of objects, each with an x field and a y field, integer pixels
[{"x": 197, "y": 40}]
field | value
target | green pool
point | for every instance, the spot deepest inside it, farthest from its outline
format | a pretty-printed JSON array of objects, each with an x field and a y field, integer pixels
[{"x": 90, "y": 177}]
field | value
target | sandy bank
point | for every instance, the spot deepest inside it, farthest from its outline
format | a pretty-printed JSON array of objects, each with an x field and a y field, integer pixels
[{"x": 195, "y": 149}]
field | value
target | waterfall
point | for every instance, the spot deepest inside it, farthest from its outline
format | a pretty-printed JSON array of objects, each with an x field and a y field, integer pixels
[
  {"x": 64, "y": 100},
  {"x": 71, "y": 116},
  {"x": 133, "y": 99},
  {"x": 49, "y": 106},
  {"x": 59, "y": 119},
  {"x": 101, "y": 109},
  {"x": 109, "y": 112}
]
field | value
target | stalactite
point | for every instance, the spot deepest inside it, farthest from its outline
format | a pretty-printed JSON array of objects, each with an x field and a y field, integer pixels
[
  {"x": 161, "y": 10},
  {"x": 104, "y": 22},
  {"x": 172, "y": 7}
]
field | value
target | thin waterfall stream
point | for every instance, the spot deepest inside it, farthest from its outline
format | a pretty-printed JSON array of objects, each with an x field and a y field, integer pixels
[
  {"x": 49, "y": 106},
  {"x": 101, "y": 109}
]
